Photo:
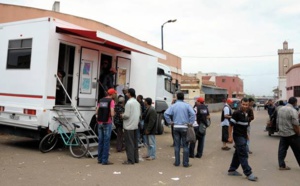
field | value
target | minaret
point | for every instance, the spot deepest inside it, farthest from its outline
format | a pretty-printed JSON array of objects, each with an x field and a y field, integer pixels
[{"x": 285, "y": 61}]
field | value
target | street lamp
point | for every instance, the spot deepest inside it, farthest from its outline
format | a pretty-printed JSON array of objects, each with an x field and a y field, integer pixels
[{"x": 162, "y": 32}]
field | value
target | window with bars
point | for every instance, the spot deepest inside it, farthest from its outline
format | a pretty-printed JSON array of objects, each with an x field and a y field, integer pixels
[{"x": 297, "y": 91}]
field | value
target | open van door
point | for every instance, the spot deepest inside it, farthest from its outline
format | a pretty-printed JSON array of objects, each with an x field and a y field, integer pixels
[
  {"x": 87, "y": 89},
  {"x": 123, "y": 75}
]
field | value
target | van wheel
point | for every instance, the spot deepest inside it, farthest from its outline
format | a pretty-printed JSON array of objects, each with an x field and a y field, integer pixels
[
  {"x": 94, "y": 125},
  {"x": 160, "y": 124}
]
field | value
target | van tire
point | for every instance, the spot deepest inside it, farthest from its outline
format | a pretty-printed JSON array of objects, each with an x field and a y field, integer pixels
[
  {"x": 93, "y": 125},
  {"x": 160, "y": 124}
]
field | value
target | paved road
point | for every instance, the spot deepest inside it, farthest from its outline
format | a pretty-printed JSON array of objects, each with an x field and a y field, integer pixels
[{"x": 21, "y": 163}]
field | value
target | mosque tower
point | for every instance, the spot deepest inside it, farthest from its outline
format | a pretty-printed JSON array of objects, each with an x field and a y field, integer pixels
[{"x": 285, "y": 61}]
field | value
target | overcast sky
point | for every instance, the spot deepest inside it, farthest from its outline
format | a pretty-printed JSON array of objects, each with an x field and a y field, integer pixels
[{"x": 228, "y": 37}]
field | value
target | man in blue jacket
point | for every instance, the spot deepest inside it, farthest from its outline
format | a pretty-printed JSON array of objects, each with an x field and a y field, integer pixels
[{"x": 182, "y": 114}]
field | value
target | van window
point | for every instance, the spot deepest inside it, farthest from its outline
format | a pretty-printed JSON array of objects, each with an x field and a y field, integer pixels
[
  {"x": 168, "y": 85},
  {"x": 19, "y": 54}
]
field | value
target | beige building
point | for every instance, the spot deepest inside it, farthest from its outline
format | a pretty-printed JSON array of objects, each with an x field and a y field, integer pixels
[
  {"x": 191, "y": 87},
  {"x": 11, "y": 13}
]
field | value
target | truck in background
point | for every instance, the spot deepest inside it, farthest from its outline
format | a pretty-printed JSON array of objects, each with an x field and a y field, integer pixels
[{"x": 33, "y": 51}]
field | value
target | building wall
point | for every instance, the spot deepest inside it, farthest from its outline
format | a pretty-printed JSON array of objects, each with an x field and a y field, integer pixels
[
  {"x": 282, "y": 89},
  {"x": 293, "y": 79},
  {"x": 11, "y": 13},
  {"x": 231, "y": 83}
]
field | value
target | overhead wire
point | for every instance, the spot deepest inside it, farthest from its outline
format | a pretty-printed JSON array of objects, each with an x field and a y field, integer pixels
[{"x": 225, "y": 57}]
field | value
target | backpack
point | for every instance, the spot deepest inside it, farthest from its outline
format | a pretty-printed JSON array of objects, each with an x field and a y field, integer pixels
[
  {"x": 223, "y": 116},
  {"x": 104, "y": 110},
  {"x": 202, "y": 113}
]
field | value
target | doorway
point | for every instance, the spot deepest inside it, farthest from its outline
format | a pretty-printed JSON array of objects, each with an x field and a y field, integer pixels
[{"x": 65, "y": 71}]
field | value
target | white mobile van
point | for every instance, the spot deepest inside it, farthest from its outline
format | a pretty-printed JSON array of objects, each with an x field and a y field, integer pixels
[{"x": 33, "y": 51}]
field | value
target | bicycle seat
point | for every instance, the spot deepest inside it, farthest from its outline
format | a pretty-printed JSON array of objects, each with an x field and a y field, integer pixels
[{"x": 75, "y": 125}]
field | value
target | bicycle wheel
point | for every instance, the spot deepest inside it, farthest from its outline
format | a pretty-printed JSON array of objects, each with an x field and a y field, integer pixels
[
  {"x": 48, "y": 142},
  {"x": 79, "y": 145}
]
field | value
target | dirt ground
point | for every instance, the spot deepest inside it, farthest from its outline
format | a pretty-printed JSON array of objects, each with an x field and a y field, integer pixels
[{"x": 22, "y": 164}]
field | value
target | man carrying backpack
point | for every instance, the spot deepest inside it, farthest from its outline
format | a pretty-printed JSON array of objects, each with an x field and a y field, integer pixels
[
  {"x": 202, "y": 116},
  {"x": 226, "y": 115},
  {"x": 104, "y": 113}
]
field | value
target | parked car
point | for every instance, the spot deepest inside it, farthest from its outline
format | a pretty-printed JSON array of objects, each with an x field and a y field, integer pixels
[{"x": 235, "y": 103}]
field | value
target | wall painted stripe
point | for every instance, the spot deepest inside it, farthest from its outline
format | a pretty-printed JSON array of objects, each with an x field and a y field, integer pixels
[{"x": 21, "y": 95}]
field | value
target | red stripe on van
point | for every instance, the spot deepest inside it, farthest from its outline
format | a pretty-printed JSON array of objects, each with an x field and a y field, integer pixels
[
  {"x": 50, "y": 97},
  {"x": 21, "y": 95}
]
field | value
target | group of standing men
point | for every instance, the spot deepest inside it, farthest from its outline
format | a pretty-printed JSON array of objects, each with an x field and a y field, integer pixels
[
  {"x": 235, "y": 128},
  {"x": 129, "y": 117}
]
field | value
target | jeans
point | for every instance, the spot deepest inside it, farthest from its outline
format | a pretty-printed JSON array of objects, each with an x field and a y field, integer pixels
[
  {"x": 180, "y": 138},
  {"x": 151, "y": 145},
  {"x": 200, "y": 138},
  {"x": 104, "y": 133},
  {"x": 284, "y": 144},
  {"x": 240, "y": 156}
]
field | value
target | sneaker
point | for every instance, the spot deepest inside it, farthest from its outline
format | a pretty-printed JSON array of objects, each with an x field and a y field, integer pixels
[
  {"x": 108, "y": 163},
  {"x": 234, "y": 173},
  {"x": 284, "y": 168},
  {"x": 226, "y": 148},
  {"x": 198, "y": 156},
  {"x": 250, "y": 152},
  {"x": 127, "y": 163},
  {"x": 149, "y": 158},
  {"x": 251, "y": 177},
  {"x": 187, "y": 166},
  {"x": 175, "y": 165}
]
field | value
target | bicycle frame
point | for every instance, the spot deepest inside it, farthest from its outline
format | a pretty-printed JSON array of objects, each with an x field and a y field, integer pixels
[{"x": 66, "y": 137}]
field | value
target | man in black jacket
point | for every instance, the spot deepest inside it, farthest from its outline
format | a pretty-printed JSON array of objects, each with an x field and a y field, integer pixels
[
  {"x": 239, "y": 123},
  {"x": 149, "y": 129}
]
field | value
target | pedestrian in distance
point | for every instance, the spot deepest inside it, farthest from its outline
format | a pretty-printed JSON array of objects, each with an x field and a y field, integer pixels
[
  {"x": 225, "y": 117},
  {"x": 289, "y": 131},
  {"x": 270, "y": 108},
  {"x": 60, "y": 93},
  {"x": 125, "y": 91},
  {"x": 202, "y": 117},
  {"x": 131, "y": 119},
  {"x": 239, "y": 123},
  {"x": 104, "y": 114},
  {"x": 182, "y": 115},
  {"x": 118, "y": 121},
  {"x": 149, "y": 129},
  {"x": 140, "y": 134},
  {"x": 172, "y": 126},
  {"x": 251, "y": 117}
]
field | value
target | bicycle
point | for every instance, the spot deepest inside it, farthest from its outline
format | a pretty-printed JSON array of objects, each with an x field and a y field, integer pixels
[{"x": 74, "y": 140}]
